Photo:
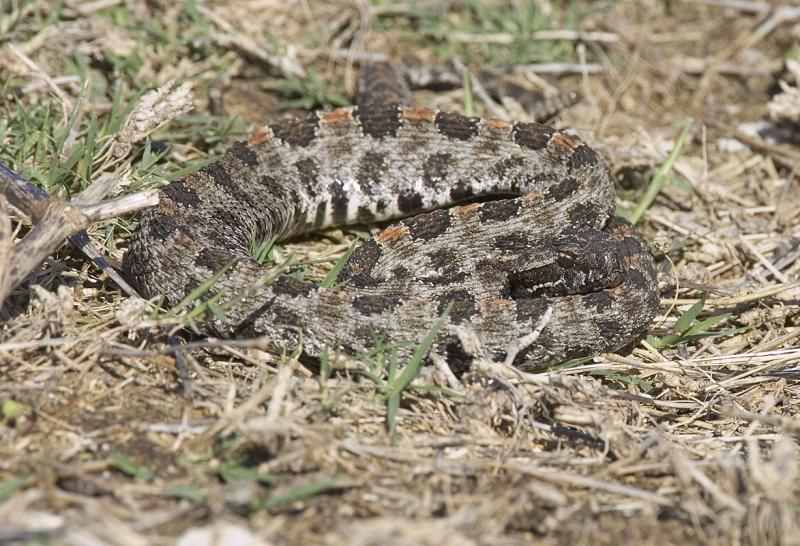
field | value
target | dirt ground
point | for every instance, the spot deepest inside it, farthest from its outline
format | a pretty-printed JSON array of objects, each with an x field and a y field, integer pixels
[{"x": 109, "y": 434}]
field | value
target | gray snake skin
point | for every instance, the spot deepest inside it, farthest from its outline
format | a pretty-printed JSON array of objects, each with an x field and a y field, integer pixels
[{"x": 547, "y": 246}]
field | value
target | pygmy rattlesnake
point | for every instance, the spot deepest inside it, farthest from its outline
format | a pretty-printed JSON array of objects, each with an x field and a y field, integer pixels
[{"x": 549, "y": 247}]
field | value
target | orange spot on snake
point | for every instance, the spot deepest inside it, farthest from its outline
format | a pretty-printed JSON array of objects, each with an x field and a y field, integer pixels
[
  {"x": 622, "y": 290},
  {"x": 391, "y": 234},
  {"x": 497, "y": 124},
  {"x": 531, "y": 197},
  {"x": 336, "y": 117},
  {"x": 495, "y": 305},
  {"x": 563, "y": 140},
  {"x": 259, "y": 137},
  {"x": 168, "y": 206},
  {"x": 419, "y": 114},
  {"x": 466, "y": 209}
]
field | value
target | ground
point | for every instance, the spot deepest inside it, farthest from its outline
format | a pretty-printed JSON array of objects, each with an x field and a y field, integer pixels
[{"x": 112, "y": 436}]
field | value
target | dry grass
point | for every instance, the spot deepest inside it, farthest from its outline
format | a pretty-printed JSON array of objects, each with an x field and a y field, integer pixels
[{"x": 112, "y": 435}]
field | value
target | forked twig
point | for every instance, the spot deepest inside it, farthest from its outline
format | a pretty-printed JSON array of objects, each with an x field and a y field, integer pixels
[{"x": 55, "y": 220}]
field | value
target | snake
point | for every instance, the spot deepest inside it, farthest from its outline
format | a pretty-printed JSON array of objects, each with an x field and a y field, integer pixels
[{"x": 494, "y": 231}]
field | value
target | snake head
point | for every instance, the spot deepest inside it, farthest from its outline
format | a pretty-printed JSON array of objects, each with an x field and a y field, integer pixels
[{"x": 572, "y": 272}]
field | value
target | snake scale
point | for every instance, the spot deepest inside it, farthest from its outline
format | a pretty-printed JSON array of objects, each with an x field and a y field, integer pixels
[{"x": 545, "y": 253}]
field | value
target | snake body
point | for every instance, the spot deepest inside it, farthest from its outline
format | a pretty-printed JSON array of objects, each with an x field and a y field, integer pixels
[{"x": 546, "y": 254}]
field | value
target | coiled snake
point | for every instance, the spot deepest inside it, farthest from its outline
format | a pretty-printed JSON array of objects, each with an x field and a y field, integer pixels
[{"x": 548, "y": 254}]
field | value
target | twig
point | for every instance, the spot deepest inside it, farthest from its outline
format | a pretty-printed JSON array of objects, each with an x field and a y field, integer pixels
[
  {"x": 55, "y": 220},
  {"x": 576, "y": 35},
  {"x": 268, "y": 390},
  {"x": 784, "y": 155},
  {"x": 282, "y": 382},
  {"x": 750, "y": 6},
  {"x": 778, "y": 421},
  {"x": 6, "y": 241},
  {"x": 526, "y": 341},
  {"x": 66, "y": 102},
  {"x": 696, "y": 66},
  {"x": 87, "y": 8},
  {"x": 735, "y": 300},
  {"x": 560, "y": 68},
  {"x": 480, "y": 90},
  {"x": 229, "y": 37},
  {"x": 691, "y": 470},
  {"x": 765, "y": 263},
  {"x": 182, "y": 368},
  {"x": 576, "y": 480},
  {"x": 541, "y": 35},
  {"x": 360, "y": 56},
  {"x": 22, "y": 194},
  {"x": 782, "y": 14}
]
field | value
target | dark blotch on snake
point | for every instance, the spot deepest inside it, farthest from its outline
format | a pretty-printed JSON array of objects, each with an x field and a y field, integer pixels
[
  {"x": 443, "y": 259},
  {"x": 365, "y": 215},
  {"x": 435, "y": 169},
  {"x": 463, "y": 305},
  {"x": 460, "y": 192},
  {"x": 213, "y": 259},
  {"x": 409, "y": 201},
  {"x": 599, "y": 301},
  {"x": 244, "y": 153},
  {"x": 456, "y": 126},
  {"x": 299, "y": 131},
  {"x": 499, "y": 211},
  {"x": 321, "y": 214},
  {"x": 583, "y": 156},
  {"x": 562, "y": 190},
  {"x": 531, "y": 311},
  {"x": 181, "y": 192},
  {"x": 371, "y": 168},
  {"x": 429, "y": 226},
  {"x": 377, "y": 304},
  {"x": 290, "y": 286},
  {"x": 532, "y": 135},
  {"x": 511, "y": 242},
  {"x": 582, "y": 215},
  {"x": 339, "y": 200},
  {"x": 358, "y": 269},
  {"x": 379, "y": 120},
  {"x": 308, "y": 172}
]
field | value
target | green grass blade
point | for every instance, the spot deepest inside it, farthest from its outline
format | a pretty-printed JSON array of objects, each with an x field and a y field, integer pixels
[
  {"x": 324, "y": 369},
  {"x": 706, "y": 324},
  {"x": 10, "y": 486},
  {"x": 133, "y": 469},
  {"x": 392, "y": 405},
  {"x": 411, "y": 370},
  {"x": 299, "y": 493},
  {"x": 330, "y": 278},
  {"x": 469, "y": 101},
  {"x": 187, "y": 491},
  {"x": 260, "y": 250},
  {"x": 660, "y": 177},
  {"x": 688, "y": 338},
  {"x": 569, "y": 364},
  {"x": 88, "y": 151},
  {"x": 665, "y": 341},
  {"x": 686, "y": 319},
  {"x": 644, "y": 386},
  {"x": 197, "y": 292}
]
